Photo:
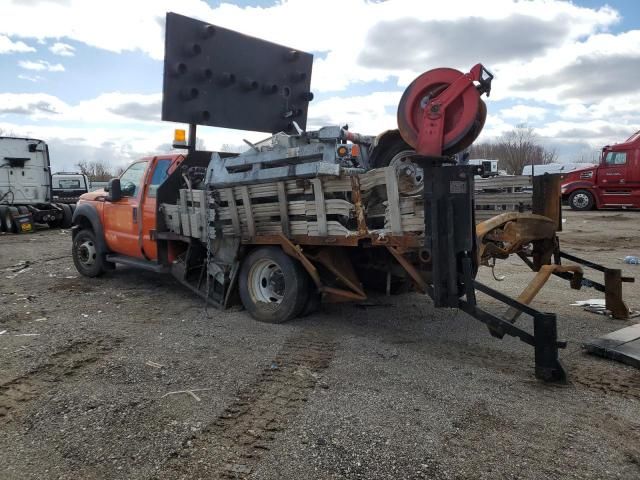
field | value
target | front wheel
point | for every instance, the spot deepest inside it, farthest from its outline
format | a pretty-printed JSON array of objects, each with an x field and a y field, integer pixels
[
  {"x": 87, "y": 257},
  {"x": 581, "y": 200},
  {"x": 273, "y": 286}
]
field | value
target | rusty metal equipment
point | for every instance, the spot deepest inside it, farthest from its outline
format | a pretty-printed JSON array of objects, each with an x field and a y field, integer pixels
[
  {"x": 441, "y": 112},
  {"x": 439, "y": 115}
]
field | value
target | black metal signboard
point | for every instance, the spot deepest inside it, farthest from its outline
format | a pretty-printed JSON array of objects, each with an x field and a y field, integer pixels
[{"x": 218, "y": 77}]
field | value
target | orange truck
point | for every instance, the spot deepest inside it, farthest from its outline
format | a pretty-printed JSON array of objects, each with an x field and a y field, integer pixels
[{"x": 118, "y": 223}]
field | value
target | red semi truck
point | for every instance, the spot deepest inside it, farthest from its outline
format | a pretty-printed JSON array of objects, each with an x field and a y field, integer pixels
[{"x": 615, "y": 183}]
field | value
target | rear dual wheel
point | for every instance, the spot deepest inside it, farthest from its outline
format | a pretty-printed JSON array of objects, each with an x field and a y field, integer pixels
[
  {"x": 7, "y": 220},
  {"x": 274, "y": 287},
  {"x": 3, "y": 215},
  {"x": 67, "y": 215}
]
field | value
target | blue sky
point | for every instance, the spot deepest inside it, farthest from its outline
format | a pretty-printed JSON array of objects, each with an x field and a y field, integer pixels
[{"x": 86, "y": 75}]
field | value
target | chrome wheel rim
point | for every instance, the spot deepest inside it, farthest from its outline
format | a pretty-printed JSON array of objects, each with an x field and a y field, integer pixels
[
  {"x": 266, "y": 282},
  {"x": 581, "y": 200}
]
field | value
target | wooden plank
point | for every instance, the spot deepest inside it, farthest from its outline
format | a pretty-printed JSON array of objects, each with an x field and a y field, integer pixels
[
  {"x": 233, "y": 210},
  {"x": 393, "y": 199},
  {"x": 246, "y": 203},
  {"x": 207, "y": 229},
  {"x": 321, "y": 213},
  {"x": 284, "y": 210},
  {"x": 263, "y": 211}
]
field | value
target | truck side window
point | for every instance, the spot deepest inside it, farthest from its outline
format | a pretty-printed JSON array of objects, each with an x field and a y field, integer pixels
[
  {"x": 130, "y": 180},
  {"x": 160, "y": 174},
  {"x": 616, "y": 158}
]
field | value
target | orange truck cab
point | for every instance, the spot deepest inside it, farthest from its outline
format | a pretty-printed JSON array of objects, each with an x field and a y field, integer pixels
[
  {"x": 119, "y": 222},
  {"x": 615, "y": 183}
]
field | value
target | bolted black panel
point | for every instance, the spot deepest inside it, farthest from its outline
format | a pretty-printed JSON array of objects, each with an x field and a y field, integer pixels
[{"x": 218, "y": 77}]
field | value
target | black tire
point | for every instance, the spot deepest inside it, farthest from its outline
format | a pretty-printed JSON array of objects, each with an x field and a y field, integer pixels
[
  {"x": 581, "y": 200},
  {"x": 67, "y": 215},
  {"x": 11, "y": 224},
  {"x": 383, "y": 157},
  {"x": 22, "y": 210},
  {"x": 87, "y": 257},
  {"x": 3, "y": 215},
  {"x": 72, "y": 206},
  {"x": 313, "y": 302},
  {"x": 273, "y": 286}
]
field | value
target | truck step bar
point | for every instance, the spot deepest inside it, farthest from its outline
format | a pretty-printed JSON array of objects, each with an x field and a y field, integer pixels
[{"x": 137, "y": 263}]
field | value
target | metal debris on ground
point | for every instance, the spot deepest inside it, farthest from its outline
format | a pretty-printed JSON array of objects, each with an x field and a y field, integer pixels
[
  {"x": 188, "y": 392},
  {"x": 154, "y": 364},
  {"x": 598, "y": 306},
  {"x": 622, "y": 345}
]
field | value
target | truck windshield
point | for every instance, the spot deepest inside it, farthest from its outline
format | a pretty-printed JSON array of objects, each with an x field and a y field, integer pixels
[
  {"x": 616, "y": 158},
  {"x": 68, "y": 183}
]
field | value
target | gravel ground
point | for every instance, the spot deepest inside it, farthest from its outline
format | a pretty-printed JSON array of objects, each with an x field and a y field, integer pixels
[{"x": 395, "y": 389}]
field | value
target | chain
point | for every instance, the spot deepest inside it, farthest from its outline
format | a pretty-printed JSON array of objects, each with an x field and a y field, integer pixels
[{"x": 207, "y": 229}]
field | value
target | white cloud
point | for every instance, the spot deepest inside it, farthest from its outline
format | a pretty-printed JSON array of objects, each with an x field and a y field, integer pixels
[
  {"x": 115, "y": 126},
  {"x": 9, "y": 46},
  {"x": 554, "y": 61},
  {"x": 62, "y": 49},
  {"x": 35, "y": 105},
  {"x": 523, "y": 113},
  {"x": 367, "y": 114},
  {"x": 41, "y": 66},
  {"x": 30, "y": 78}
]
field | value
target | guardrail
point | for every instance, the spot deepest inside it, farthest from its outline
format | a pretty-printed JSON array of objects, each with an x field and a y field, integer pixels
[{"x": 502, "y": 194}]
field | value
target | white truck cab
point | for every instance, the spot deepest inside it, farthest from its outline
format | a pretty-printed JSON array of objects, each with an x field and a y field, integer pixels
[
  {"x": 68, "y": 186},
  {"x": 25, "y": 185}
]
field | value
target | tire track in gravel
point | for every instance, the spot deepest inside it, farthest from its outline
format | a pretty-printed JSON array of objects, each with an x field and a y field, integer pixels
[
  {"x": 232, "y": 445},
  {"x": 603, "y": 376},
  {"x": 16, "y": 394}
]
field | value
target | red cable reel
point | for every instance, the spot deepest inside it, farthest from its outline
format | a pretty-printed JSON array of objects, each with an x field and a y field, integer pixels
[{"x": 441, "y": 112}]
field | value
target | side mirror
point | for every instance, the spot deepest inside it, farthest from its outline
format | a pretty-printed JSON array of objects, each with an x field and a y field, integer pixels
[{"x": 113, "y": 187}]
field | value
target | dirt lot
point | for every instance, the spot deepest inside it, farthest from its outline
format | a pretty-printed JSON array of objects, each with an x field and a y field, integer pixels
[{"x": 391, "y": 390}]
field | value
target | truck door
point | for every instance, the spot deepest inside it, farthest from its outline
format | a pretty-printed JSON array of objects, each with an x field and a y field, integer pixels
[
  {"x": 121, "y": 218},
  {"x": 158, "y": 172},
  {"x": 613, "y": 179}
]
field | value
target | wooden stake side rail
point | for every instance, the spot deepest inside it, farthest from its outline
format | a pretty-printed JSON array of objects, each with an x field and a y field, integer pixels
[{"x": 322, "y": 210}]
